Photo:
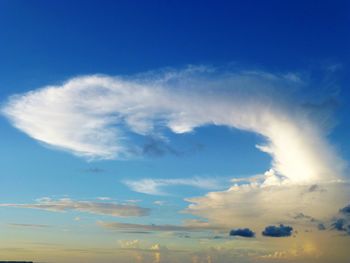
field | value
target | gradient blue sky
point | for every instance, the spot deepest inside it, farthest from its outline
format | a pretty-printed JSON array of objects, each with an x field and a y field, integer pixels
[{"x": 48, "y": 42}]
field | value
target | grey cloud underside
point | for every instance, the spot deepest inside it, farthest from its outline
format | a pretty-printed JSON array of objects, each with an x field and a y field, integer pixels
[
  {"x": 65, "y": 204},
  {"x": 242, "y": 232},
  {"x": 278, "y": 231}
]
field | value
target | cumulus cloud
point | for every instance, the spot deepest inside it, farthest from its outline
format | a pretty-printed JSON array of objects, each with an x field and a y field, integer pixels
[
  {"x": 66, "y": 204},
  {"x": 91, "y": 116},
  {"x": 98, "y": 117},
  {"x": 340, "y": 224},
  {"x": 242, "y": 232},
  {"x": 129, "y": 243},
  {"x": 321, "y": 226},
  {"x": 156, "y": 186},
  {"x": 272, "y": 200},
  {"x": 345, "y": 210},
  {"x": 278, "y": 231}
]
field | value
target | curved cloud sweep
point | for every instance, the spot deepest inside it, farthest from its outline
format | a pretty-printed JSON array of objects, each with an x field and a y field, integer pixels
[{"x": 91, "y": 116}]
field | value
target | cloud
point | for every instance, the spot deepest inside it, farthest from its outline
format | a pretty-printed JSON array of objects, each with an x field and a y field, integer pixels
[
  {"x": 160, "y": 146},
  {"x": 190, "y": 226},
  {"x": 345, "y": 210},
  {"x": 339, "y": 224},
  {"x": 242, "y": 232},
  {"x": 104, "y": 198},
  {"x": 66, "y": 204},
  {"x": 278, "y": 231},
  {"x": 157, "y": 148},
  {"x": 159, "y": 202},
  {"x": 129, "y": 243},
  {"x": 340, "y": 221},
  {"x": 92, "y": 116},
  {"x": 272, "y": 199},
  {"x": 99, "y": 117},
  {"x": 155, "y": 186},
  {"x": 321, "y": 226},
  {"x": 29, "y": 225}
]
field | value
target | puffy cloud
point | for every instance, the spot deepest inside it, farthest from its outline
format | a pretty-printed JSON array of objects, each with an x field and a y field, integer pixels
[
  {"x": 94, "y": 116},
  {"x": 321, "y": 226},
  {"x": 341, "y": 220},
  {"x": 278, "y": 231},
  {"x": 243, "y": 232},
  {"x": 129, "y": 243},
  {"x": 66, "y": 204},
  {"x": 154, "y": 186},
  {"x": 345, "y": 210},
  {"x": 339, "y": 224},
  {"x": 272, "y": 200},
  {"x": 91, "y": 116}
]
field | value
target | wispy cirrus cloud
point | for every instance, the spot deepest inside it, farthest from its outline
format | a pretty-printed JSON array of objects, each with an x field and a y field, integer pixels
[
  {"x": 91, "y": 116},
  {"x": 158, "y": 186},
  {"x": 188, "y": 226},
  {"x": 101, "y": 208},
  {"x": 28, "y": 225}
]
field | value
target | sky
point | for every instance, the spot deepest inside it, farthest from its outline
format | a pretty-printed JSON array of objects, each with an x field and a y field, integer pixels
[{"x": 175, "y": 131}]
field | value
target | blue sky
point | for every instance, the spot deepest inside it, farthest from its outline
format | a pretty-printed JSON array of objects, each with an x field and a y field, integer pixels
[{"x": 161, "y": 79}]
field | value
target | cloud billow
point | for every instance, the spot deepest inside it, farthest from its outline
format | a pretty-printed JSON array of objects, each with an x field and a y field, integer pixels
[
  {"x": 97, "y": 116},
  {"x": 242, "y": 232},
  {"x": 345, "y": 210},
  {"x": 278, "y": 231},
  {"x": 91, "y": 116}
]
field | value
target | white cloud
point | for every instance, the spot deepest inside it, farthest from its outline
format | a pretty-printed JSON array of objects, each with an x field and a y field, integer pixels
[
  {"x": 91, "y": 116},
  {"x": 156, "y": 186},
  {"x": 271, "y": 199},
  {"x": 129, "y": 243},
  {"x": 159, "y": 202},
  {"x": 104, "y": 198},
  {"x": 66, "y": 204}
]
